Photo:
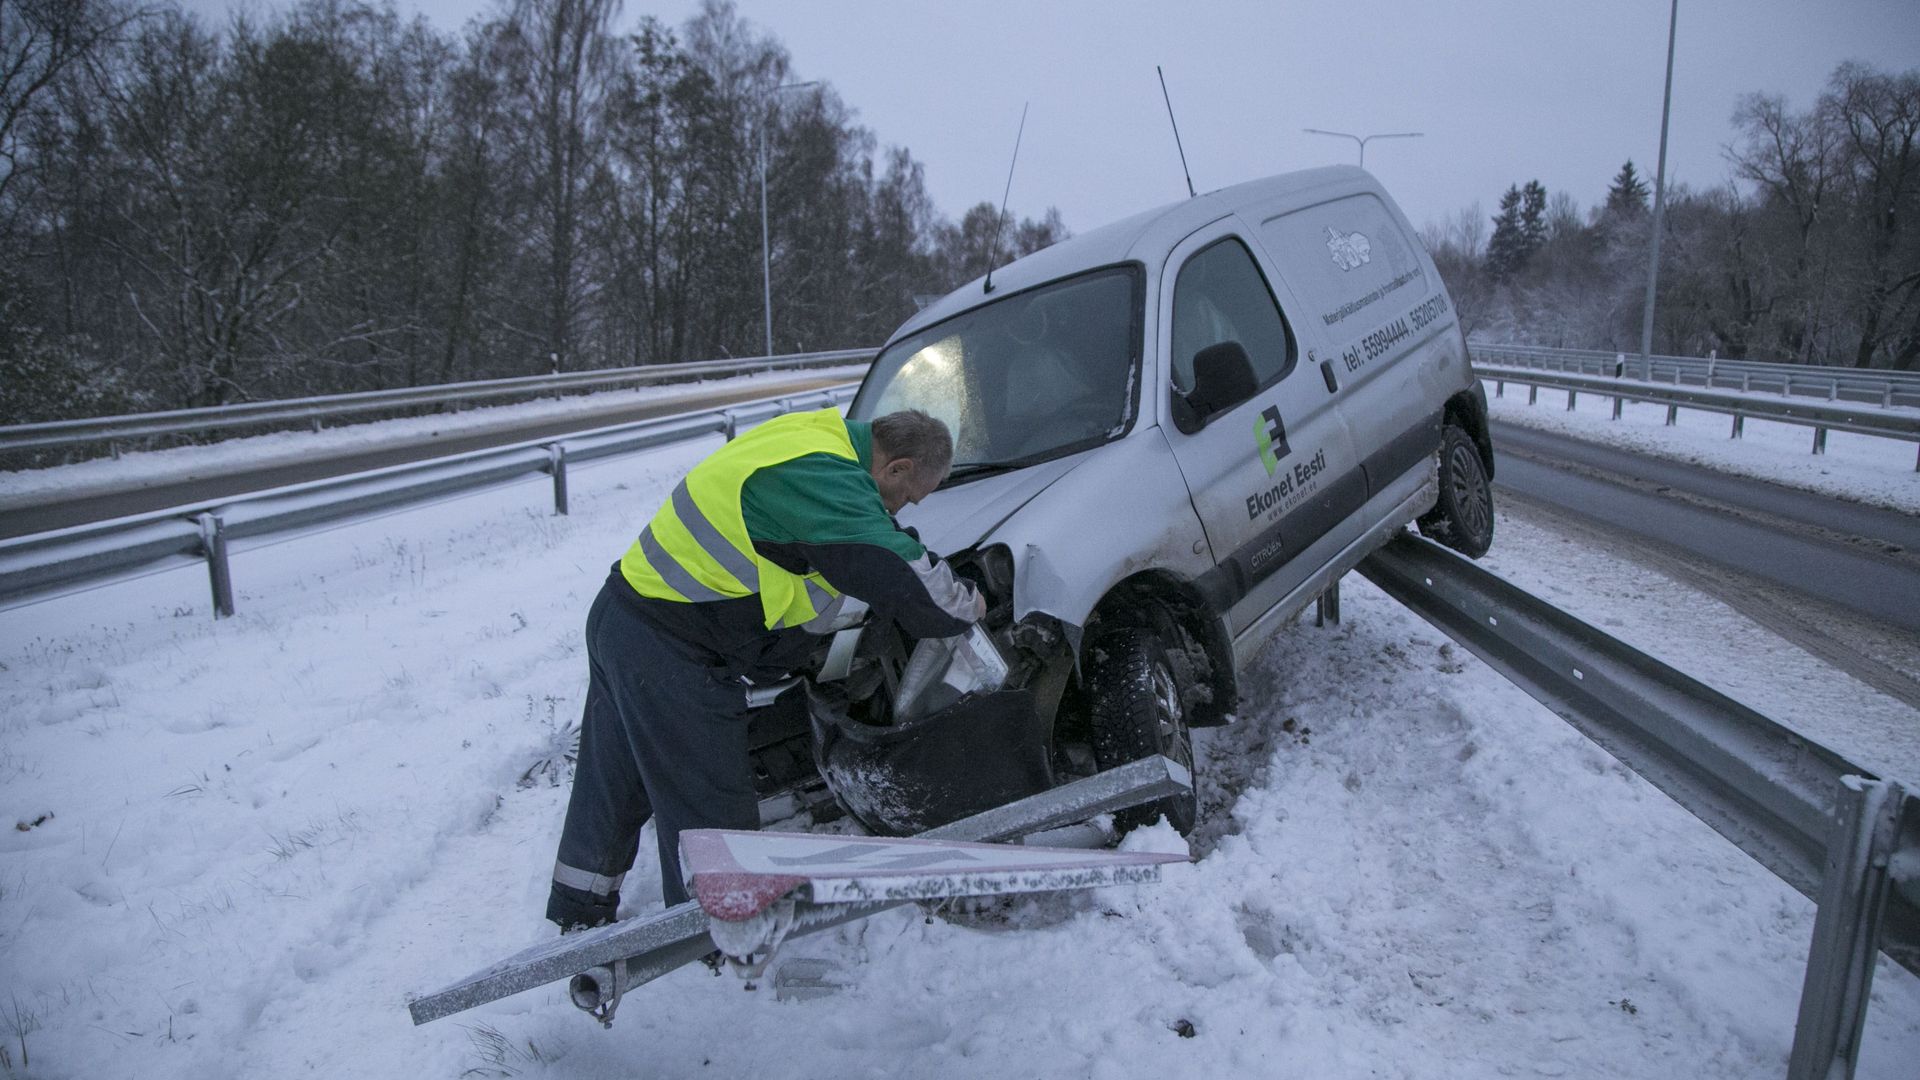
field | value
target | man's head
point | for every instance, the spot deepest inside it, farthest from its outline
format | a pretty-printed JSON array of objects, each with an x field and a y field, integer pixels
[{"x": 911, "y": 455}]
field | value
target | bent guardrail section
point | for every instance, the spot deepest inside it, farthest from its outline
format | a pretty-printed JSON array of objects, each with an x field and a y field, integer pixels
[
  {"x": 42, "y": 564},
  {"x": 648, "y": 948},
  {"x": 1895, "y": 422},
  {"x": 54, "y": 433},
  {"x": 1841, "y": 836}
]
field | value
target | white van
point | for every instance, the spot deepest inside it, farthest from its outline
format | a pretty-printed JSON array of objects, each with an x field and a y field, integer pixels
[{"x": 1171, "y": 434}]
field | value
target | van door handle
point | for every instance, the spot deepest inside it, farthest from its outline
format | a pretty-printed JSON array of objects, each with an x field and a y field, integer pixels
[{"x": 1326, "y": 372}]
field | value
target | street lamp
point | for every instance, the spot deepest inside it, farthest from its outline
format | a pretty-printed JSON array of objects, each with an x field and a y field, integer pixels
[
  {"x": 766, "y": 256},
  {"x": 1363, "y": 140},
  {"x": 1659, "y": 198}
]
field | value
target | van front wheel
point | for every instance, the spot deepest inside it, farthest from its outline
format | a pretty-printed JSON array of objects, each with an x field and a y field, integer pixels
[
  {"x": 1138, "y": 712},
  {"x": 1463, "y": 518}
]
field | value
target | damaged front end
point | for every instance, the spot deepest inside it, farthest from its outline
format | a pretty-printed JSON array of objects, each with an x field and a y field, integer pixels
[{"x": 911, "y": 735}]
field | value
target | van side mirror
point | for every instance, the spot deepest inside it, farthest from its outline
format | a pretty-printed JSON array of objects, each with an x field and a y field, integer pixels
[{"x": 1222, "y": 377}]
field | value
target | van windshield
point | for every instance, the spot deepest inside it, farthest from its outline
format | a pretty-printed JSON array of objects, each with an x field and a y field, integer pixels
[{"x": 1037, "y": 375}]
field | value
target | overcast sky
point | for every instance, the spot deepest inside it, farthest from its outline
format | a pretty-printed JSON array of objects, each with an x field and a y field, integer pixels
[{"x": 1504, "y": 91}]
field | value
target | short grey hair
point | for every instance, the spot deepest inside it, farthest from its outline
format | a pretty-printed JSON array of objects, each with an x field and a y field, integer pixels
[{"x": 914, "y": 435}]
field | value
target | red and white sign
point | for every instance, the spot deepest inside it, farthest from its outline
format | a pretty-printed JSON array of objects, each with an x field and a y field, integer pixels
[{"x": 736, "y": 875}]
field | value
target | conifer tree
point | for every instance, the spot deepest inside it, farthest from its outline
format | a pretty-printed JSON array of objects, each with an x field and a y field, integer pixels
[{"x": 1627, "y": 196}]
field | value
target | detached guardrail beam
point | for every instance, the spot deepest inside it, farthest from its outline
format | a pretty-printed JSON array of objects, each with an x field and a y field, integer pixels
[
  {"x": 1844, "y": 838},
  {"x": 651, "y": 947}
]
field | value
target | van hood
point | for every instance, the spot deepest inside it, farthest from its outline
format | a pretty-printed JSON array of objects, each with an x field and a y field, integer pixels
[{"x": 954, "y": 519}]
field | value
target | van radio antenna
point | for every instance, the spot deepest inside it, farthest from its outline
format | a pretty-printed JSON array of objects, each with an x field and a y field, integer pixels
[
  {"x": 993, "y": 250},
  {"x": 1176, "y": 129}
]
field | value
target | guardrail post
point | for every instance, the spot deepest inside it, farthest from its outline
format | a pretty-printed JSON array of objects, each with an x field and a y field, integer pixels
[
  {"x": 213, "y": 543},
  {"x": 1673, "y": 413},
  {"x": 1819, "y": 440},
  {"x": 1572, "y": 396},
  {"x": 1739, "y": 425},
  {"x": 729, "y": 425},
  {"x": 1533, "y": 393},
  {"x": 557, "y": 465},
  {"x": 1846, "y": 930},
  {"x": 1499, "y": 388},
  {"x": 1326, "y": 606},
  {"x": 1617, "y": 401}
]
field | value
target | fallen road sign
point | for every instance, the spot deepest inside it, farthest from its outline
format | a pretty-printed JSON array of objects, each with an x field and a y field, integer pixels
[{"x": 634, "y": 951}]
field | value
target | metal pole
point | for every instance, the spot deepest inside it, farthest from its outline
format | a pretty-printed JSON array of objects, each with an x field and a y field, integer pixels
[
  {"x": 766, "y": 251},
  {"x": 766, "y": 256},
  {"x": 1659, "y": 192},
  {"x": 1846, "y": 930},
  {"x": 213, "y": 544}
]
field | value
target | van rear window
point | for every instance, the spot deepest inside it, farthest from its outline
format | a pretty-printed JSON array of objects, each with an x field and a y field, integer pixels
[{"x": 1349, "y": 262}]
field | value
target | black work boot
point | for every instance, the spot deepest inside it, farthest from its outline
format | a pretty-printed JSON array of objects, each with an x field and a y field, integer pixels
[{"x": 572, "y": 909}]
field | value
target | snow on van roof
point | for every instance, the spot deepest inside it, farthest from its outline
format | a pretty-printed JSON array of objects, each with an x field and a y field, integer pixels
[{"x": 1131, "y": 238}]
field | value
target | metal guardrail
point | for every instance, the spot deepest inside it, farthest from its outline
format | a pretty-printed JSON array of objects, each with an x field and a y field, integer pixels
[
  {"x": 1896, "y": 422},
  {"x": 1873, "y": 386},
  {"x": 1844, "y": 838},
  {"x": 47, "y": 563},
  {"x": 188, "y": 421},
  {"x": 646, "y": 949}
]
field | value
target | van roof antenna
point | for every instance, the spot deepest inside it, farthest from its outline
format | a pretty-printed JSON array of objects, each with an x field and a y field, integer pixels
[
  {"x": 1176, "y": 129},
  {"x": 993, "y": 251}
]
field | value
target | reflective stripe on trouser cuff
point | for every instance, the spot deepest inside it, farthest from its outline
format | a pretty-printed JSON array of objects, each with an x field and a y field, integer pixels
[
  {"x": 711, "y": 541},
  {"x": 673, "y": 573},
  {"x": 598, "y": 884}
]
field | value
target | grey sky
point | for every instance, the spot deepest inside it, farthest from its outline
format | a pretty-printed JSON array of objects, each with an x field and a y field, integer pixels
[{"x": 1504, "y": 90}]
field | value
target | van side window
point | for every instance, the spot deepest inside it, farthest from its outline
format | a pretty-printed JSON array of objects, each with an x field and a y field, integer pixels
[{"x": 1219, "y": 297}]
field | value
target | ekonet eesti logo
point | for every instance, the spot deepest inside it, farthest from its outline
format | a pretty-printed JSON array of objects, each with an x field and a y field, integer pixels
[{"x": 1271, "y": 434}]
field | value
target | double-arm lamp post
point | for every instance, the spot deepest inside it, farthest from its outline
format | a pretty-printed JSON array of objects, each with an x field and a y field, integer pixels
[
  {"x": 766, "y": 254},
  {"x": 1363, "y": 140}
]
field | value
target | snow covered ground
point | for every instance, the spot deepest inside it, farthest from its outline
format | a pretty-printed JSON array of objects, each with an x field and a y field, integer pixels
[
  {"x": 1864, "y": 468},
  {"x": 242, "y": 843}
]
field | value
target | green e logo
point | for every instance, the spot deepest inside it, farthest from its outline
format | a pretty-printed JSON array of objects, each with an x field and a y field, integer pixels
[{"x": 1271, "y": 434}]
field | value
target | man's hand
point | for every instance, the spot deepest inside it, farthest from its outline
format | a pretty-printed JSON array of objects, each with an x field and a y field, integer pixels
[{"x": 979, "y": 603}]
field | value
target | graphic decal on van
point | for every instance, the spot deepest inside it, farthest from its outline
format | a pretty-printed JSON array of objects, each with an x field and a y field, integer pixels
[
  {"x": 1350, "y": 251},
  {"x": 1271, "y": 434}
]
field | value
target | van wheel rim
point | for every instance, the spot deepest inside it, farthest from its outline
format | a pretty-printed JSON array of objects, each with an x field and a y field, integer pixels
[
  {"x": 1470, "y": 490},
  {"x": 1166, "y": 700}
]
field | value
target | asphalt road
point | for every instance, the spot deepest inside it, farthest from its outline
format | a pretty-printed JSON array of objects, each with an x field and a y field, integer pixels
[
  {"x": 200, "y": 485},
  {"x": 1862, "y": 559}
]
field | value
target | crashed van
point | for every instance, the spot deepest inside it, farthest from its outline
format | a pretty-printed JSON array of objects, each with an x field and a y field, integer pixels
[{"x": 1170, "y": 435}]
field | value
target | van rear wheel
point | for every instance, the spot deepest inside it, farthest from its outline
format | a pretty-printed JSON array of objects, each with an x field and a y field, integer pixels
[
  {"x": 1135, "y": 693},
  {"x": 1463, "y": 517}
]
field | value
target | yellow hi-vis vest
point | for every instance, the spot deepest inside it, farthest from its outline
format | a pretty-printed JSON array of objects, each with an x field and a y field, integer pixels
[{"x": 696, "y": 548}]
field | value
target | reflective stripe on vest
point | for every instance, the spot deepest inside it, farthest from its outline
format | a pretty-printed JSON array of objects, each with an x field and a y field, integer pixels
[{"x": 697, "y": 548}]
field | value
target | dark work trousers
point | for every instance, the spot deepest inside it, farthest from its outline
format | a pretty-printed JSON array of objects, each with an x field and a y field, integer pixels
[{"x": 664, "y": 734}]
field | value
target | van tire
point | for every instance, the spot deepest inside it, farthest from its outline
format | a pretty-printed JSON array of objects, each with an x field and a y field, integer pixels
[
  {"x": 1138, "y": 711},
  {"x": 1462, "y": 519}
]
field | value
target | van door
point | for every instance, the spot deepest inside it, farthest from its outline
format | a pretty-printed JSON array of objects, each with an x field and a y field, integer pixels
[
  {"x": 1270, "y": 463},
  {"x": 1379, "y": 315}
]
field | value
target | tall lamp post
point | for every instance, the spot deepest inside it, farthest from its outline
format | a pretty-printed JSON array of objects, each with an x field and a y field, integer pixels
[
  {"x": 766, "y": 255},
  {"x": 1363, "y": 140},
  {"x": 1659, "y": 199}
]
